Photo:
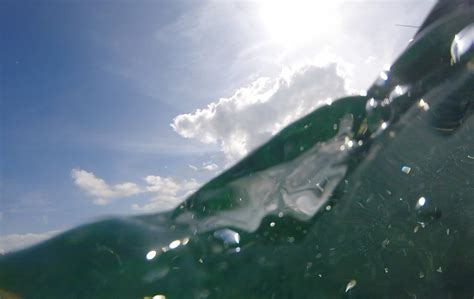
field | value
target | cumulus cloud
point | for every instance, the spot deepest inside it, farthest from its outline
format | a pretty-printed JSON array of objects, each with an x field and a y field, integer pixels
[
  {"x": 101, "y": 192},
  {"x": 255, "y": 113},
  {"x": 165, "y": 192},
  {"x": 14, "y": 242}
]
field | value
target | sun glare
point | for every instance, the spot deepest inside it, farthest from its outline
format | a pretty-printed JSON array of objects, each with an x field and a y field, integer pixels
[{"x": 298, "y": 21}]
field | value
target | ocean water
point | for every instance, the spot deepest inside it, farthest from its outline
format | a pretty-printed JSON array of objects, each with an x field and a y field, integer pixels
[{"x": 369, "y": 197}]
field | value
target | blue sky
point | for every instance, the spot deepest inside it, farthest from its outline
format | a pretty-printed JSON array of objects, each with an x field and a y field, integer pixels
[{"x": 122, "y": 107}]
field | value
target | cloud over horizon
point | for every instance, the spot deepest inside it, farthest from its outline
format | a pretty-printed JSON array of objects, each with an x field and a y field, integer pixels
[
  {"x": 14, "y": 242},
  {"x": 253, "y": 114}
]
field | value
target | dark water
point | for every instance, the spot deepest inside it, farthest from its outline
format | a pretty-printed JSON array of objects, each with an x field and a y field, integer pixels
[{"x": 370, "y": 197}]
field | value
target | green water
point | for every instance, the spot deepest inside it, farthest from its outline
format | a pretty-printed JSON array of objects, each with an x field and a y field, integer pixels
[{"x": 370, "y": 197}]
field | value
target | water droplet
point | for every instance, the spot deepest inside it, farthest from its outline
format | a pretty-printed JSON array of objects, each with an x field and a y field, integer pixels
[
  {"x": 350, "y": 285},
  {"x": 174, "y": 244},
  {"x": 272, "y": 224},
  {"x": 151, "y": 255},
  {"x": 385, "y": 243},
  {"x": 421, "y": 275},
  {"x": 291, "y": 239},
  {"x": 159, "y": 297},
  {"x": 398, "y": 91},
  {"x": 280, "y": 215},
  {"x": 386, "y": 270},
  {"x": 423, "y": 105},
  {"x": 421, "y": 202},
  {"x": 371, "y": 103},
  {"x": 384, "y": 75},
  {"x": 379, "y": 114},
  {"x": 328, "y": 208},
  {"x": 462, "y": 44},
  {"x": 440, "y": 270},
  {"x": 447, "y": 231},
  {"x": 406, "y": 169}
]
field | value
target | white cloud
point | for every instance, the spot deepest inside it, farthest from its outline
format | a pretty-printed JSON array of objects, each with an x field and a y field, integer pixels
[
  {"x": 206, "y": 166},
  {"x": 14, "y": 242},
  {"x": 209, "y": 166},
  {"x": 255, "y": 113},
  {"x": 167, "y": 192},
  {"x": 102, "y": 192}
]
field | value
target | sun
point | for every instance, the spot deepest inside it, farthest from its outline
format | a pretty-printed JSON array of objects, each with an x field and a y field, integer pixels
[{"x": 299, "y": 21}]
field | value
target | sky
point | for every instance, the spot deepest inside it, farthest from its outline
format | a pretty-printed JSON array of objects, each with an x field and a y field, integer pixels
[{"x": 111, "y": 108}]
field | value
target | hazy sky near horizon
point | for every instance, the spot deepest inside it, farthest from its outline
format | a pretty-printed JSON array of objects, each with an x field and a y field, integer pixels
[{"x": 125, "y": 107}]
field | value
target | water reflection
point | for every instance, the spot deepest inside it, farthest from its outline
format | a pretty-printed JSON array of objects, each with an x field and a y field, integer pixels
[
  {"x": 228, "y": 236},
  {"x": 463, "y": 42}
]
